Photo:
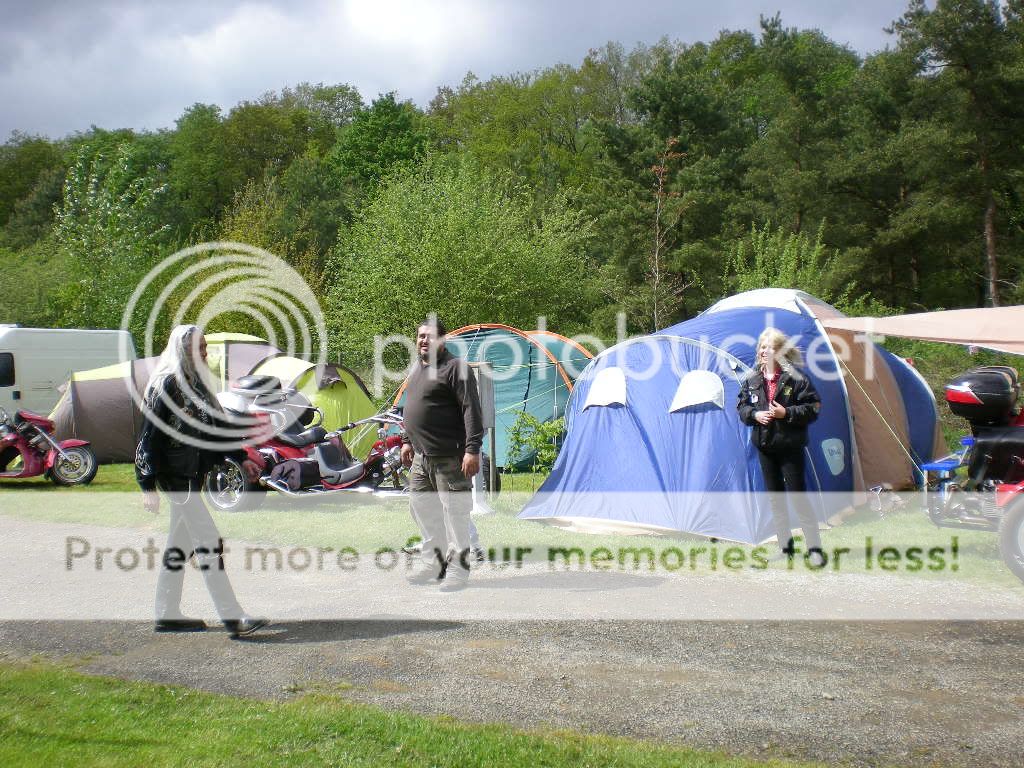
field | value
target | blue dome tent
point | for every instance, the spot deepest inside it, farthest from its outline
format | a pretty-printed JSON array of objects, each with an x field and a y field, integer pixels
[{"x": 654, "y": 443}]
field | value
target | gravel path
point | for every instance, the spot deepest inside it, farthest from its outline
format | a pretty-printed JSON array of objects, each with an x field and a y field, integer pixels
[
  {"x": 646, "y": 656},
  {"x": 861, "y": 693}
]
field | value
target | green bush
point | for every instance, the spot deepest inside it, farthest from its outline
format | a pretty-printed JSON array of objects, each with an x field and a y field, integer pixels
[{"x": 541, "y": 439}]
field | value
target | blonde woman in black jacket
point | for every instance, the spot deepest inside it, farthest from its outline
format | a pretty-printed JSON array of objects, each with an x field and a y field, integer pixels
[
  {"x": 779, "y": 401},
  {"x": 183, "y": 435}
]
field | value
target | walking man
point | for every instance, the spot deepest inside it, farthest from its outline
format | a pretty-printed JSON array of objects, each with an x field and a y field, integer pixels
[{"x": 443, "y": 436}]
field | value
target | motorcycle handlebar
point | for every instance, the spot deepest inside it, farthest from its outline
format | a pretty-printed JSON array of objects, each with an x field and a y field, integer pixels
[{"x": 387, "y": 417}]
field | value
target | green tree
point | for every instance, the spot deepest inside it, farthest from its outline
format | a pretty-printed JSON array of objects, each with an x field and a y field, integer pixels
[
  {"x": 540, "y": 126},
  {"x": 316, "y": 204},
  {"x": 107, "y": 233},
  {"x": 774, "y": 257},
  {"x": 793, "y": 104},
  {"x": 262, "y": 137},
  {"x": 531, "y": 125},
  {"x": 386, "y": 134},
  {"x": 452, "y": 238},
  {"x": 23, "y": 161},
  {"x": 198, "y": 177},
  {"x": 32, "y": 218},
  {"x": 331, "y": 106},
  {"x": 610, "y": 74},
  {"x": 539, "y": 439},
  {"x": 258, "y": 217},
  {"x": 30, "y": 279},
  {"x": 900, "y": 229},
  {"x": 971, "y": 53},
  {"x": 689, "y": 104}
]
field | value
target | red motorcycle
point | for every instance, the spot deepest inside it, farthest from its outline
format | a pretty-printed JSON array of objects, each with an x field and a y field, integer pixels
[
  {"x": 27, "y": 449},
  {"x": 298, "y": 457},
  {"x": 988, "y": 494}
]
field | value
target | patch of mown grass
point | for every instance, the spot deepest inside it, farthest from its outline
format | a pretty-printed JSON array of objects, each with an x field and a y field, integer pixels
[
  {"x": 110, "y": 478},
  {"x": 52, "y": 715},
  {"x": 370, "y": 525}
]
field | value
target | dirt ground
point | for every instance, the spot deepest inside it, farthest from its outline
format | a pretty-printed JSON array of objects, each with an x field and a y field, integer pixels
[{"x": 859, "y": 693}]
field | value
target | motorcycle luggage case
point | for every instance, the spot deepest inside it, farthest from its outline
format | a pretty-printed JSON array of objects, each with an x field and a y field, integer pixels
[
  {"x": 252, "y": 389},
  {"x": 984, "y": 396},
  {"x": 297, "y": 473},
  {"x": 998, "y": 455}
]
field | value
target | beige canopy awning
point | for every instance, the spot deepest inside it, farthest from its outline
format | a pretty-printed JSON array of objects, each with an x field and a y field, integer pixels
[{"x": 998, "y": 328}]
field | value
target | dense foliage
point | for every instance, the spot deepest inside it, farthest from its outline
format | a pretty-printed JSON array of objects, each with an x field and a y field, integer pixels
[
  {"x": 452, "y": 237},
  {"x": 649, "y": 182}
]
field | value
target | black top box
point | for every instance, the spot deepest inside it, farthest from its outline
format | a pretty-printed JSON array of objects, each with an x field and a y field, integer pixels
[{"x": 984, "y": 396}]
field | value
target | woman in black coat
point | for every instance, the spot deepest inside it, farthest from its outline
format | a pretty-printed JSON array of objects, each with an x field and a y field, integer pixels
[
  {"x": 779, "y": 401},
  {"x": 184, "y": 433}
]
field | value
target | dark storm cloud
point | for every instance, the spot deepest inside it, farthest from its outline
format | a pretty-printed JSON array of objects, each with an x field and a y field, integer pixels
[{"x": 65, "y": 65}]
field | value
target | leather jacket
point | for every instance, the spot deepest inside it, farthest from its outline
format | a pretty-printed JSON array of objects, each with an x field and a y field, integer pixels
[
  {"x": 796, "y": 394},
  {"x": 161, "y": 457}
]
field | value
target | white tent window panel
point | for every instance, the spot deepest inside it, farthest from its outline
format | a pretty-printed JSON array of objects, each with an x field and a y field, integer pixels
[
  {"x": 698, "y": 388},
  {"x": 609, "y": 388}
]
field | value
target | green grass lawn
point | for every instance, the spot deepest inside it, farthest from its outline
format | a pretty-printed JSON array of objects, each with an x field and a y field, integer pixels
[
  {"x": 109, "y": 478},
  {"x": 370, "y": 525},
  {"x": 52, "y": 715}
]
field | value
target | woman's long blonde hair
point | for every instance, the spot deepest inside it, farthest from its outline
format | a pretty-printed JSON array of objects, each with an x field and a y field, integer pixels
[
  {"x": 784, "y": 348},
  {"x": 179, "y": 360}
]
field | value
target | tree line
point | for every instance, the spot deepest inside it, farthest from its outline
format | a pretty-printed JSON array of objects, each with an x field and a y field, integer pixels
[{"x": 649, "y": 181}]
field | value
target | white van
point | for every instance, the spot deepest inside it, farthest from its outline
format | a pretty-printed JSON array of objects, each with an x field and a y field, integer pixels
[{"x": 35, "y": 362}]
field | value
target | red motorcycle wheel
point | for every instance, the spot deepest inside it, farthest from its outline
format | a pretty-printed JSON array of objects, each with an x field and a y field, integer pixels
[
  {"x": 1011, "y": 539},
  {"x": 79, "y": 468}
]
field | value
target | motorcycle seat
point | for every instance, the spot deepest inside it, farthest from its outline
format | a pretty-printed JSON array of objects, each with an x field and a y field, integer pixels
[
  {"x": 334, "y": 468},
  {"x": 302, "y": 439}
]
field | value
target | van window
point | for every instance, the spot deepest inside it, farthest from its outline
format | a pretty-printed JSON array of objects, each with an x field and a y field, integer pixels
[{"x": 6, "y": 369}]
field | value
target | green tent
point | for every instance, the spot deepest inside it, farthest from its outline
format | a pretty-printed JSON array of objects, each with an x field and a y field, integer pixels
[{"x": 334, "y": 389}]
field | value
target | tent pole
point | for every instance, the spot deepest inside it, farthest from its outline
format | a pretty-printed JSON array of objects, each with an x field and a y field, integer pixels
[{"x": 492, "y": 467}]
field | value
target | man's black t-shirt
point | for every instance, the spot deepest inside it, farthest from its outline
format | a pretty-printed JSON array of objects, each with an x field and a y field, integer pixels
[{"x": 442, "y": 408}]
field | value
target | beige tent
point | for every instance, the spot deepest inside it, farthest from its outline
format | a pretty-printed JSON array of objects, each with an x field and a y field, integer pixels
[
  {"x": 998, "y": 328},
  {"x": 98, "y": 405}
]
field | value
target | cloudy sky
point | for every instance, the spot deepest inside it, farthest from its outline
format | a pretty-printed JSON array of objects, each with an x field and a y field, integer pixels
[{"x": 69, "y": 64}]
